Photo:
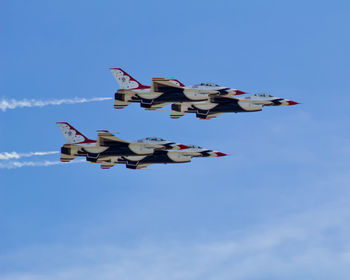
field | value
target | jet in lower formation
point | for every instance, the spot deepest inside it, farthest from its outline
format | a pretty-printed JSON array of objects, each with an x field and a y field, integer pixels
[
  {"x": 109, "y": 150},
  {"x": 163, "y": 91},
  {"x": 228, "y": 104}
]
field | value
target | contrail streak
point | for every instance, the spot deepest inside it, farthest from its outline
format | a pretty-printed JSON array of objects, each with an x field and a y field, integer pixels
[
  {"x": 6, "y": 104},
  {"x": 14, "y": 155},
  {"x": 18, "y": 164}
]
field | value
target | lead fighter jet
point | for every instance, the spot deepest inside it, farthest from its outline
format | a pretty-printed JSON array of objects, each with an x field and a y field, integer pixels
[
  {"x": 109, "y": 150},
  {"x": 163, "y": 91},
  {"x": 108, "y": 145},
  {"x": 228, "y": 104},
  {"x": 171, "y": 156}
]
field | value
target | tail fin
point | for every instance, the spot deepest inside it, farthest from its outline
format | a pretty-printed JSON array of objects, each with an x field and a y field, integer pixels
[
  {"x": 72, "y": 135},
  {"x": 125, "y": 81}
]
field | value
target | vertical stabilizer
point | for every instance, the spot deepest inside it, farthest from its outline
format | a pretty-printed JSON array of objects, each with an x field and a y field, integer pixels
[
  {"x": 72, "y": 135},
  {"x": 125, "y": 81}
]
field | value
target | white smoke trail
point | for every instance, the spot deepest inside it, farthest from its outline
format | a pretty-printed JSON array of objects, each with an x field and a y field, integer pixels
[
  {"x": 6, "y": 104},
  {"x": 14, "y": 155},
  {"x": 18, "y": 164}
]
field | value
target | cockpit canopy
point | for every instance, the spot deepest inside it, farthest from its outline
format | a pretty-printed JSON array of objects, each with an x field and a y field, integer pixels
[
  {"x": 155, "y": 139},
  {"x": 195, "y": 147},
  {"x": 263, "y": 95},
  {"x": 208, "y": 85}
]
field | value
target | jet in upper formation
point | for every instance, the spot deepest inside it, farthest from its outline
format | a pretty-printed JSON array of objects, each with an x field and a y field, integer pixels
[
  {"x": 109, "y": 150},
  {"x": 163, "y": 91},
  {"x": 206, "y": 100},
  {"x": 228, "y": 104}
]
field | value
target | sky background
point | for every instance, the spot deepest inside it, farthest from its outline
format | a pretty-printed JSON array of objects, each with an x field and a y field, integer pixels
[{"x": 276, "y": 208}]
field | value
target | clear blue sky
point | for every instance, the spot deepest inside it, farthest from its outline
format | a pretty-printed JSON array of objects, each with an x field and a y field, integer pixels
[{"x": 276, "y": 208}]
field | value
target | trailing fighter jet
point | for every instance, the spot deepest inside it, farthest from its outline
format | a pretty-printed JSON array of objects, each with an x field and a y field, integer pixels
[
  {"x": 108, "y": 145},
  {"x": 159, "y": 156},
  {"x": 163, "y": 91},
  {"x": 226, "y": 104}
]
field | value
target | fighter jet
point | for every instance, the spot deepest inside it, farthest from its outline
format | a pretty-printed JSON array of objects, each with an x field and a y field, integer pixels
[
  {"x": 159, "y": 156},
  {"x": 108, "y": 145},
  {"x": 226, "y": 104},
  {"x": 163, "y": 91}
]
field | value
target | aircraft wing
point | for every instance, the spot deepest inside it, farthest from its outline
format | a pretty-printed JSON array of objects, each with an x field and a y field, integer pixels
[
  {"x": 107, "y": 165},
  {"x": 143, "y": 165},
  {"x": 108, "y": 161},
  {"x": 213, "y": 116},
  {"x": 219, "y": 92},
  {"x": 157, "y": 106},
  {"x": 136, "y": 165},
  {"x": 223, "y": 99},
  {"x": 105, "y": 138},
  {"x": 164, "y": 85}
]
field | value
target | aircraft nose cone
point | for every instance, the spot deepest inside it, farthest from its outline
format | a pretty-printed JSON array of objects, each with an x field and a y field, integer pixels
[
  {"x": 290, "y": 102},
  {"x": 182, "y": 147},
  {"x": 219, "y": 154},
  {"x": 239, "y": 92}
]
